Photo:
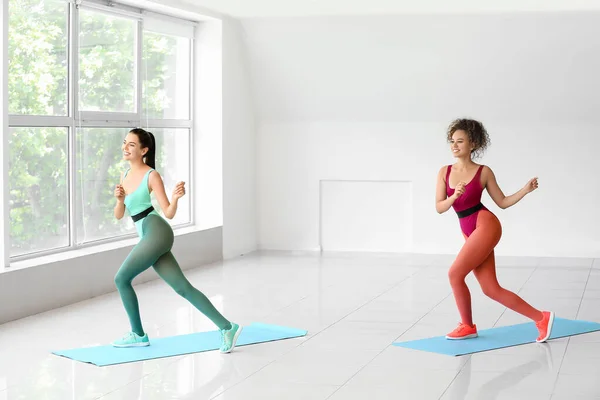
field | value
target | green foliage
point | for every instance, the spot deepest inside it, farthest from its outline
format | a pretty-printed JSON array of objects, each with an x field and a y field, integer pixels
[
  {"x": 106, "y": 62},
  {"x": 37, "y": 57},
  {"x": 38, "y": 85}
]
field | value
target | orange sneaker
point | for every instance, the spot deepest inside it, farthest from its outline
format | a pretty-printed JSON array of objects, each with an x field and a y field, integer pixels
[
  {"x": 545, "y": 326},
  {"x": 463, "y": 331}
]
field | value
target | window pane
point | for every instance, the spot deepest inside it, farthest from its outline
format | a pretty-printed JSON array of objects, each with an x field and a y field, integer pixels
[
  {"x": 166, "y": 73},
  {"x": 99, "y": 168},
  {"x": 38, "y": 189},
  {"x": 37, "y": 57},
  {"x": 107, "y": 63}
]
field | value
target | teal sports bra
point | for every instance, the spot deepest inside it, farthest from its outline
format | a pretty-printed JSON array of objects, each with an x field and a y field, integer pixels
[{"x": 139, "y": 200}]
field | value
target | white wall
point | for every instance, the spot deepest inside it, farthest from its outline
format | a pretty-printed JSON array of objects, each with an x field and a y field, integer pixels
[
  {"x": 239, "y": 146},
  {"x": 207, "y": 154},
  {"x": 425, "y": 68},
  {"x": 370, "y": 98},
  {"x": 560, "y": 219}
]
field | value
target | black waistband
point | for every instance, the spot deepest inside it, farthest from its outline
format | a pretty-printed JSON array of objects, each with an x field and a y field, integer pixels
[
  {"x": 469, "y": 211},
  {"x": 143, "y": 214}
]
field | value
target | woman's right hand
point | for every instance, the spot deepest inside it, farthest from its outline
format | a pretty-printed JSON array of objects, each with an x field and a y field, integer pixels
[
  {"x": 120, "y": 192},
  {"x": 459, "y": 190}
]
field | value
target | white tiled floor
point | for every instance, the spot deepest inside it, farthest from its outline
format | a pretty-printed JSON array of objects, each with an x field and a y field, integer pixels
[{"x": 354, "y": 307}]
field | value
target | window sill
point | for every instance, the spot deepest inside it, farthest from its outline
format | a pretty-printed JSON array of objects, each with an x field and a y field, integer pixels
[{"x": 86, "y": 251}]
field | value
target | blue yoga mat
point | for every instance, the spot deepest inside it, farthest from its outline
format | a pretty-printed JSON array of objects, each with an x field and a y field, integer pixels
[
  {"x": 178, "y": 345},
  {"x": 497, "y": 338}
]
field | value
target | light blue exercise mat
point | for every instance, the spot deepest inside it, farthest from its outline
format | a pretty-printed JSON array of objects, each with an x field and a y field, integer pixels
[
  {"x": 178, "y": 345},
  {"x": 497, "y": 338}
]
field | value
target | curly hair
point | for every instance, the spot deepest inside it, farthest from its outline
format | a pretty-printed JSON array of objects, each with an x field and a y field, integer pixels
[{"x": 476, "y": 132}]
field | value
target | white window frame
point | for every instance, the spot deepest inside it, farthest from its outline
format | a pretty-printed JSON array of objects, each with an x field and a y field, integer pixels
[
  {"x": 94, "y": 119},
  {"x": 4, "y": 157}
]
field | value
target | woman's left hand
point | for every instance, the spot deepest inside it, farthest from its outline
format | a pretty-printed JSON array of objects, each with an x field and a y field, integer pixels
[
  {"x": 531, "y": 185},
  {"x": 179, "y": 190}
]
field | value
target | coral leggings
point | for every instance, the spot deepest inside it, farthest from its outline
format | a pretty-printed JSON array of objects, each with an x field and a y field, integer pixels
[{"x": 477, "y": 255}]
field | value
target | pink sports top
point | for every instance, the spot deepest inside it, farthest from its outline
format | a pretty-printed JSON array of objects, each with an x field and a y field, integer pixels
[{"x": 468, "y": 205}]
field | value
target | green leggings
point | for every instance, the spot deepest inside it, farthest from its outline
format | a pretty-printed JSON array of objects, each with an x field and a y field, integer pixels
[{"x": 154, "y": 249}]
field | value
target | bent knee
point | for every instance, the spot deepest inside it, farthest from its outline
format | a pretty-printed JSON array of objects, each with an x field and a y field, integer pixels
[
  {"x": 183, "y": 289},
  {"x": 455, "y": 275},
  {"x": 492, "y": 291},
  {"x": 122, "y": 280}
]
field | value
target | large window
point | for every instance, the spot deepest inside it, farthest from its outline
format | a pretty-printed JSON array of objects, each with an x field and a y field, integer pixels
[{"x": 80, "y": 77}]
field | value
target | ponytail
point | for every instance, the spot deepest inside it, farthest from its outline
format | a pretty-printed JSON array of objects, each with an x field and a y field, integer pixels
[
  {"x": 148, "y": 141},
  {"x": 151, "y": 154}
]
